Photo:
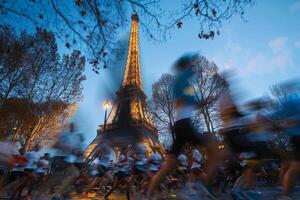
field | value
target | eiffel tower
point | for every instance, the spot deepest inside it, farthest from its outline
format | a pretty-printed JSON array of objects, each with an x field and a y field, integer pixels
[{"x": 129, "y": 121}]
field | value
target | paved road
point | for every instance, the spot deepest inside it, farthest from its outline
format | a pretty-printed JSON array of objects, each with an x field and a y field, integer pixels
[
  {"x": 271, "y": 193},
  {"x": 184, "y": 194},
  {"x": 266, "y": 193}
]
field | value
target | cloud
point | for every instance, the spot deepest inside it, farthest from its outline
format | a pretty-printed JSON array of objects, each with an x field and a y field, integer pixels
[
  {"x": 233, "y": 49},
  {"x": 255, "y": 62},
  {"x": 251, "y": 62},
  {"x": 295, "y": 7},
  {"x": 283, "y": 59},
  {"x": 278, "y": 44},
  {"x": 297, "y": 44},
  {"x": 282, "y": 55}
]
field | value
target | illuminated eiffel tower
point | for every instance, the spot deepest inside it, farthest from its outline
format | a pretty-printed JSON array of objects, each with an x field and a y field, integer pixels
[{"x": 129, "y": 121}]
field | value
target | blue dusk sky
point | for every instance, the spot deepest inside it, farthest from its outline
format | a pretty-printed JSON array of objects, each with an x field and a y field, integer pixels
[{"x": 263, "y": 50}]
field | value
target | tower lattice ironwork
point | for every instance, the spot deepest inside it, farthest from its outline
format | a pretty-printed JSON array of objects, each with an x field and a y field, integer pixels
[{"x": 130, "y": 120}]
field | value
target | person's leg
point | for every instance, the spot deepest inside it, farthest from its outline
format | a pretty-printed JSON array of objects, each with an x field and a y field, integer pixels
[
  {"x": 70, "y": 175},
  {"x": 49, "y": 183},
  {"x": 128, "y": 187},
  {"x": 216, "y": 157},
  {"x": 31, "y": 182},
  {"x": 14, "y": 187},
  {"x": 239, "y": 183},
  {"x": 284, "y": 166},
  {"x": 188, "y": 181},
  {"x": 293, "y": 171},
  {"x": 192, "y": 177},
  {"x": 167, "y": 167},
  {"x": 184, "y": 133},
  {"x": 250, "y": 178},
  {"x": 143, "y": 182},
  {"x": 115, "y": 184},
  {"x": 290, "y": 177},
  {"x": 108, "y": 178},
  {"x": 249, "y": 174}
]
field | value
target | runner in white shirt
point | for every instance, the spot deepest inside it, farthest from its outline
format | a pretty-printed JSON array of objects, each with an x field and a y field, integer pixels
[
  {"x": 32, "y": 158},
  {"x": 196, "y": 167},
  {"x": 186, "y": 102},
  {"x": 141, "y": 161},
  {"x": 104, "y": 165},
  {"x": 43, "y": 165},
  {"x": 30, "y": 178},
  {"x": 122, "y": 168},
  {"x": 155, "y": 162},
  {"x": 65, "y": 156},
  {"x": 18, "y": 168},
  {"x": 197, "y": 158},
  {"x": 183, "y": 163}
]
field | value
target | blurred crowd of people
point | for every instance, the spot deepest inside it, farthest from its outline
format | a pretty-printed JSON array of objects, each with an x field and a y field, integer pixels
[
  {"x": 246, "y": 134},
  {"x": 241, "y": 161}
]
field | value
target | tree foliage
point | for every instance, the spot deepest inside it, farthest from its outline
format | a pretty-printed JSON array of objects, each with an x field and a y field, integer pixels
[
  {"x": 208, "y": 84},
  {"x": 96, "y": 24},
  {"x": 162, "y": 107},
  {"x": 38, "y": 88},
  {"x": 26, "y": 122},
  {"x": 277, "y": 94}
]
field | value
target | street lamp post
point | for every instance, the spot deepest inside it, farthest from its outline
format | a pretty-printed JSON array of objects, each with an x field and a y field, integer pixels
[{"x": 106, "y": 106}]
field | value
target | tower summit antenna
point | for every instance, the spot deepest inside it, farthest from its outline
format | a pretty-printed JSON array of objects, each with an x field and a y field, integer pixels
[{"x": 133, "y": 9}]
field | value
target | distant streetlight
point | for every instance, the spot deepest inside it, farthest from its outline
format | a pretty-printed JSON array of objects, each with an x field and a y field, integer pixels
[{"x": 106, "y": 106}]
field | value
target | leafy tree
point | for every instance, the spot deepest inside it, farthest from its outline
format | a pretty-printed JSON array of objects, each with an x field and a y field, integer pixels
[
  {"x": 12, "y": 55},
  {"x": 26, "y": 122},
  {"x": 39, "y": 89},
  {"x": 96, "y": 24},
  {"x": 277, "y": 93},
  {"x": 162, "y": 107},
  {"x": 208, "y": 85}
]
